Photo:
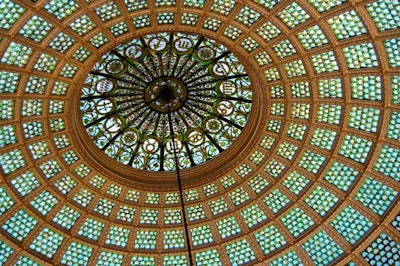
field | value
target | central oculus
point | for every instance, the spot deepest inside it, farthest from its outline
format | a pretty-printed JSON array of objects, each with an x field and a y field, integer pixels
[
  {"x": 133, "y": 91},
  {"x": 166, "y": 94}
]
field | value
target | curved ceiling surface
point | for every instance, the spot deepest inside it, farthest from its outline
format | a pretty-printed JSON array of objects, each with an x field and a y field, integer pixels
[
  {"x": 166, "y": 90},
  {"x": 313, "y": 179}
]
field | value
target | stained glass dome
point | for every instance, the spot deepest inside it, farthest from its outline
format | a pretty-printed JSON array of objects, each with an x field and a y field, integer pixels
[
  {"x": 312, "y": 178},
  {"x": 131, "y": 95}
]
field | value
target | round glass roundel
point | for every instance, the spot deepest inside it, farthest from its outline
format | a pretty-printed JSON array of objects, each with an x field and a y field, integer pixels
[{"x": 140, "y": 88}]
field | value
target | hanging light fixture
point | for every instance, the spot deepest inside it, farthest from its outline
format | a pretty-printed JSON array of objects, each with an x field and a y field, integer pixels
[
  {"x": 185, "y": 223},
  {"x": 167, "y": 97},
  {"x": 166, "y": 102}
]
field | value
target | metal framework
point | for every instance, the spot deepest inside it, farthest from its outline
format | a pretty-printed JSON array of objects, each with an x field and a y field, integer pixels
[{"x": 127, "y": 119}]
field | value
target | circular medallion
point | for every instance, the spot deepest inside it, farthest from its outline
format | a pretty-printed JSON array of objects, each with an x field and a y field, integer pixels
[
  {"x": 164, "y": 91},
  {"x": 165, "y": 94}
]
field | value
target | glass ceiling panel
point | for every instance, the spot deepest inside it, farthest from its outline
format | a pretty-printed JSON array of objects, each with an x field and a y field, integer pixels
[{"x": 135, "y": 91}]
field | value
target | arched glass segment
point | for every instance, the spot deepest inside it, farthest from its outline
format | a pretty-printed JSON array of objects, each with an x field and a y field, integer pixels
[{"x": 135, "y": 90}]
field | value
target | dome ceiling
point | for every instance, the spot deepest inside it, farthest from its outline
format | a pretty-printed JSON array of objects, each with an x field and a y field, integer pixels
[
  {"x": 313, "y": 178},
  {"x": 136, "y": 90}
]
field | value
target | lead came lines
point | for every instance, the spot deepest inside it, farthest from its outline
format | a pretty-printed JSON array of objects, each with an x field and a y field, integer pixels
[{"x": 130, "y": 92}]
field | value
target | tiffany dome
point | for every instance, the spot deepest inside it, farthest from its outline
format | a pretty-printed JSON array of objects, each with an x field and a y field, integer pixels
[
  {"x": 162, "y": 88},
  {"x": 285, "y": 116}
]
